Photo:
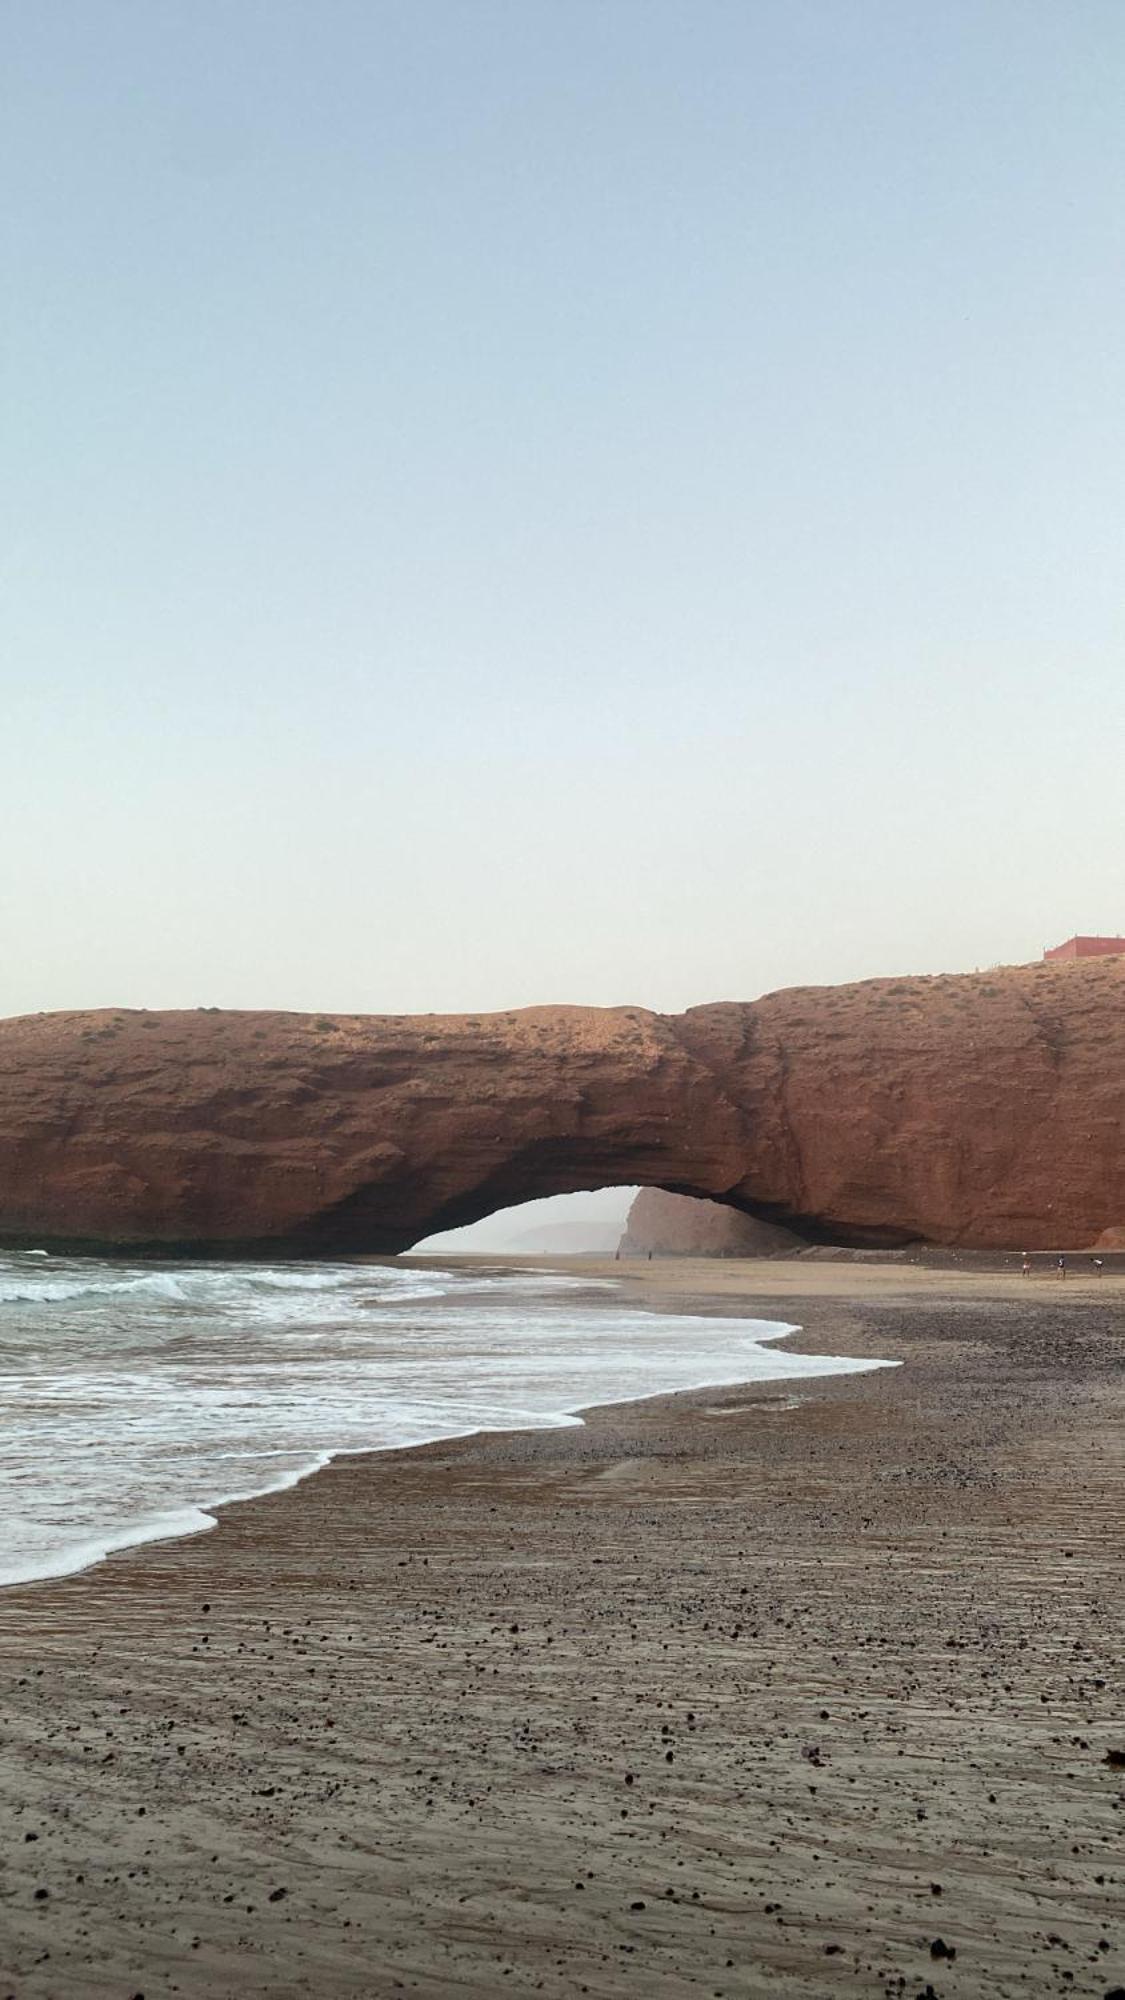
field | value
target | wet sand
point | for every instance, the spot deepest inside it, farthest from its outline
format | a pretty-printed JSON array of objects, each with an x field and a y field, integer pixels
[{"x": 802, "y": 1689}]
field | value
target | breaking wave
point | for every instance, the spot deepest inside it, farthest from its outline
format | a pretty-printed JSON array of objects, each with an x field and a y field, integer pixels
[{"x": 135, "y": 1400}]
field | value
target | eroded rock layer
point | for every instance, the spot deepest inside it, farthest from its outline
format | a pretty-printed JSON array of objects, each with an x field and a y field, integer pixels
[{"x": 982, "y": 1110}]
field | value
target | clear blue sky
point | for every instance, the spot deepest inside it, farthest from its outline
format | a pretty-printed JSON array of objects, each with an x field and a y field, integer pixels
[{"x": 554, "y": 500}]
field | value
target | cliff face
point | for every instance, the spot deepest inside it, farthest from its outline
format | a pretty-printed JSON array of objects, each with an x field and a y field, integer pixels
[
  {"x": 980, "y": 1110},
  {"x": 679, "y": 1225}
]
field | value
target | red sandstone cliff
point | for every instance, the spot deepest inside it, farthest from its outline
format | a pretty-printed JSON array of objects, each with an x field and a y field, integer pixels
[{"x": 982, "y": 1110}]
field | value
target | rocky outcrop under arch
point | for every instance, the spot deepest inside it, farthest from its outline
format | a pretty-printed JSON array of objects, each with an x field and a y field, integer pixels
[{"x": 660, "y": 1224}]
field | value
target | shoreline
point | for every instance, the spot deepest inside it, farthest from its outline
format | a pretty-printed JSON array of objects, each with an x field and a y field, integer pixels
[
  {"x": 202, "y": 1517},
  {"x": 704, "y": 1695}
]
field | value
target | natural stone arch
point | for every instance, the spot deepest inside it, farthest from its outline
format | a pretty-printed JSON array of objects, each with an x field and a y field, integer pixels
[{"x": 978, "y": 1110}]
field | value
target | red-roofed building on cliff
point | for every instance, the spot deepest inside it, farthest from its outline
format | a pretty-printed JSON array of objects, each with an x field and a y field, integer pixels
[{"x": 1086, "y": 947}]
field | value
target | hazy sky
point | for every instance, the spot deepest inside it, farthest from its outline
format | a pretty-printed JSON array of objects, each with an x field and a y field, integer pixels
[
  {"x": 559, "y": 1224},
  {"x": 555, "y": 500}
]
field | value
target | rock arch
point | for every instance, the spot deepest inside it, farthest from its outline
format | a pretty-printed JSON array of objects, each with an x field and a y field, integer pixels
[{"x": 985, "y": 1109}]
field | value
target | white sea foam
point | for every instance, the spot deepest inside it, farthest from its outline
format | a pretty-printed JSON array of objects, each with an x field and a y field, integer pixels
[{"x": 135, "y": 1399}]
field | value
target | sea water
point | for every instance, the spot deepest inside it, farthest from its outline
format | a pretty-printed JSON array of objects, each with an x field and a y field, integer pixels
[{"x": 135, "y": 1397}]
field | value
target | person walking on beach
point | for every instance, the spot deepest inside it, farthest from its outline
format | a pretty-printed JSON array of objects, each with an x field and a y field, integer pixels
[
  {"x": 1025, "y": 1267},
  {"x": 1062, "y": 1267}
]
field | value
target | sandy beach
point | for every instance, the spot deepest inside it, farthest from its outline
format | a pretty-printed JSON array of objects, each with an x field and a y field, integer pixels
[{"x": 809, "y": 1689}]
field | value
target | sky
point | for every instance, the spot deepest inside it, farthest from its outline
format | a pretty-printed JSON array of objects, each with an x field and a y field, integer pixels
[
  {"x": 507, "y": 501},
  {"x": 557, "y": 1225}
]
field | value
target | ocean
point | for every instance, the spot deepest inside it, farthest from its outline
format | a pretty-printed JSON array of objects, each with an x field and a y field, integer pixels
[{"x": 137, "y": 1397}]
